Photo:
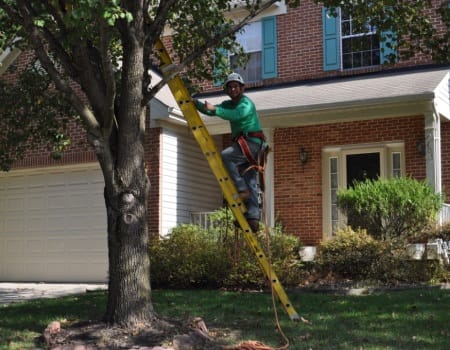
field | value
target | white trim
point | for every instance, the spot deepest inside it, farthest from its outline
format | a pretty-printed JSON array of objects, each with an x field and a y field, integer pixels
[{"x": 30, "y": 171}]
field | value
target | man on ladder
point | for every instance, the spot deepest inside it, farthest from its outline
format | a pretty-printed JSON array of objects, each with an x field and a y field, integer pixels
[{"x": 245, "y": 158}]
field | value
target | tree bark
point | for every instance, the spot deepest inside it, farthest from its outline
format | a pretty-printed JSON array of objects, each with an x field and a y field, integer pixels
[
  {"x": 129, "y": 299},
  {"x": 129, "y": 293}
]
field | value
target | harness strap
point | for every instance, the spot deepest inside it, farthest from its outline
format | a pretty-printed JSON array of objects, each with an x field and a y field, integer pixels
[
  {"x": 257, "y": 134},
  {"x": 258, "y": 164},
  {"x": 245, "y": 149}
]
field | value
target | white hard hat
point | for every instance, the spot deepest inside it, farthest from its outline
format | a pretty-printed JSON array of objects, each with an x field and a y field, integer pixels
[{"x": 234, "y": 77}]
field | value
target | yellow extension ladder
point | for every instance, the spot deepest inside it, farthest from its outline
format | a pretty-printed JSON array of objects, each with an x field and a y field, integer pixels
[{"x": 214, "y": 158}]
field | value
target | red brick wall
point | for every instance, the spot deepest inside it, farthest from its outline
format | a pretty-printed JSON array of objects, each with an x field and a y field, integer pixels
[
  {"x": 300, "y": 51},
  {"x": 78, "y": 152},
  {"x": 298, "y": 189},
  {"x": 152, "y": 162}
]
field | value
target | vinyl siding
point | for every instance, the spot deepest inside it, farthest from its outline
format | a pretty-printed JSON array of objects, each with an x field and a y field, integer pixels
[{"x": 188, "y": 184}]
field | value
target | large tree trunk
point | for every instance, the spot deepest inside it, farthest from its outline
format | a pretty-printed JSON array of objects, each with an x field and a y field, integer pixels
[{"x": 129, "y": 298}]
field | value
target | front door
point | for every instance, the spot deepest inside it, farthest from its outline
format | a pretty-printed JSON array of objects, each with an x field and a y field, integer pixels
[{"x": 361, "y": 167}]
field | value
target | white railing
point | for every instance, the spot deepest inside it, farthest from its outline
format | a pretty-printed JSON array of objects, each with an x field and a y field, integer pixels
[
  {"x": 444, "y": 214},
  {"x": 201, "y": 218}
]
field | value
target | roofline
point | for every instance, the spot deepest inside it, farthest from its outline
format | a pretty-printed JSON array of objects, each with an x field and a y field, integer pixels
[
  {"x": 332, "y": 79},
  {"x": 401, "y": 106}
]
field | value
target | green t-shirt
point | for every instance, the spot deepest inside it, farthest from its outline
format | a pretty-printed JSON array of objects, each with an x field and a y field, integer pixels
[{"x": 243, "y": 117}]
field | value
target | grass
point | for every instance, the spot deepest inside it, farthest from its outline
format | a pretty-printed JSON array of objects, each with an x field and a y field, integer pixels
[{"x": 412, "y": 319}]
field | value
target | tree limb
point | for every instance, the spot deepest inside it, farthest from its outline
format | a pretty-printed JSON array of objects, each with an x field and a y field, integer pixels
[
  {"x": 61, "y": 84},
  {"x": 198, "y": 51}
]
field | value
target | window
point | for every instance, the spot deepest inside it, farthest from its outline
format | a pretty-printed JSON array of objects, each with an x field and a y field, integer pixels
[
  {"x": 344, "y": 47},
  {"x": 250, "y": 39},
  {"x": 359, "y": 49},
  {"x": 259, "y": 40},
  {"x": 334, "y": 181},
  {"x": 396, "y": 164}
]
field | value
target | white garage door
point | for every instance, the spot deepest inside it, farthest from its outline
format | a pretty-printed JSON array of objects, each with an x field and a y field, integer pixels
[{"x": 53, "y": 225}]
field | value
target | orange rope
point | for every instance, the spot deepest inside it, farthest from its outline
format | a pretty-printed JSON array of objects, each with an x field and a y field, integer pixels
[{"x": 269, "y": 258}]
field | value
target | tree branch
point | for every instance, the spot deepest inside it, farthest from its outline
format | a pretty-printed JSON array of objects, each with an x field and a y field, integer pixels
[
  {"x": 198, "y": 51},
  {"x": 108, "y": 74},
  {"x": 37, "y": 43}
]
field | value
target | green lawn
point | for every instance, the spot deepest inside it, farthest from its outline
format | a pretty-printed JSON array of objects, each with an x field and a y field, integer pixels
[{"x": 413, "y": 319}]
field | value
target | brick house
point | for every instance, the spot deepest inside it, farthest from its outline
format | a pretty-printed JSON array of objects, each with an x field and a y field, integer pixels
[{"x": 350, "y": 116}]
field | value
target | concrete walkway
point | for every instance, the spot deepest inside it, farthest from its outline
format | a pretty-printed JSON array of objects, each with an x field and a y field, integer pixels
[{"x": 15, "y": 292}]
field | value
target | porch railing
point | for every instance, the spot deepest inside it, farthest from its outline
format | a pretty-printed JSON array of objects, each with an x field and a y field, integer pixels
[{"x": 444, "y": 214}]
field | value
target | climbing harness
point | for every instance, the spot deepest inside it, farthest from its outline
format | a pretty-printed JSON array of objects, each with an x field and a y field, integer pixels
[{"x": 258, "y": 163}]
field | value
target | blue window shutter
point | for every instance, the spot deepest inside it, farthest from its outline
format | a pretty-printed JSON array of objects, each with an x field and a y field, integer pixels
[
  {"x": 217, "y": 71},
  {"x": 269, "y": 47},
  {"x": 331, "y": 37},
  {"x": 386, "y": 49}
]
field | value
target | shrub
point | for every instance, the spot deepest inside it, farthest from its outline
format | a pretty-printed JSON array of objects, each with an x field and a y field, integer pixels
[
  {"x": 350, "y": 254},
  {"x": 219, "y": 257},
  {"x": 189, "y": 257},
  {"x": 357, "y": 256},
  {"x": 283, "y": 257},
  {"x": 390, "y": 208}
]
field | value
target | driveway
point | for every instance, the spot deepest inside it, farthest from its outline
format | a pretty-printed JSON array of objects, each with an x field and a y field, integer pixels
[{"x": 14, "y": 292}]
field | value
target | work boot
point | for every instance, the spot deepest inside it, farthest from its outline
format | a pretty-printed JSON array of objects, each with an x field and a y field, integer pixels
[{"x": 254, "y": 224}]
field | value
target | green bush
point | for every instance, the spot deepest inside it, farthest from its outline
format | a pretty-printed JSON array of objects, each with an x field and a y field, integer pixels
[
  {"x": 350, "y": 254},
  {"x": 283, "y": 256},
  {"x": 390, "y": 208},
  {"x": 189, "y": 257},
  {"x": 220, "y": 257},
  {"x": 357, "y": 256}
]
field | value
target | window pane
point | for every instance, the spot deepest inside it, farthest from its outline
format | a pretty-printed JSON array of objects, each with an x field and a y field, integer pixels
[
  {"x": 252, "y": 71},
  {"x": 333, "y": 194},
  {"x": 396, "y": 164},
  {"x": 347, "y": 61},
  {"x": 360, "y": 48},
  {"x": 345, "y": 28},
  {"x": 250, "y": 37},
  {"x": 366, "y": 58}
]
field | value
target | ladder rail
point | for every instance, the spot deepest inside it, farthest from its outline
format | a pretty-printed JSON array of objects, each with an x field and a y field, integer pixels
[{"x": 217, "y": 166}]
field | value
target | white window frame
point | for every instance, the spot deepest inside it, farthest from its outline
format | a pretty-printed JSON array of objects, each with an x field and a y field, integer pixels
[
  {"x": 241, "y": 39},
  {"x": 372, "y": 31}
]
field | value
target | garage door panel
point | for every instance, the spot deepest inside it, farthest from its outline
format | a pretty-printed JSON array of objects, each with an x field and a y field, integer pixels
[
  {"x": 53, "y": 225},
  {"x": 17, "y": 183},
  {"x": 14, "y": 225},
  {"x": 35, "y": 246},
  {"x": 36, "y": 202},
  {"x": 16, "y": 204},
  {"x": 57, "y": 201},
  {"x": 36, "y": 224},
  {"x": 14, "y": 247}
]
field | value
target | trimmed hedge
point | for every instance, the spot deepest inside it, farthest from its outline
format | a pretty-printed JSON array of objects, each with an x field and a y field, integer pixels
[{"x": 391, "y": 208}]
